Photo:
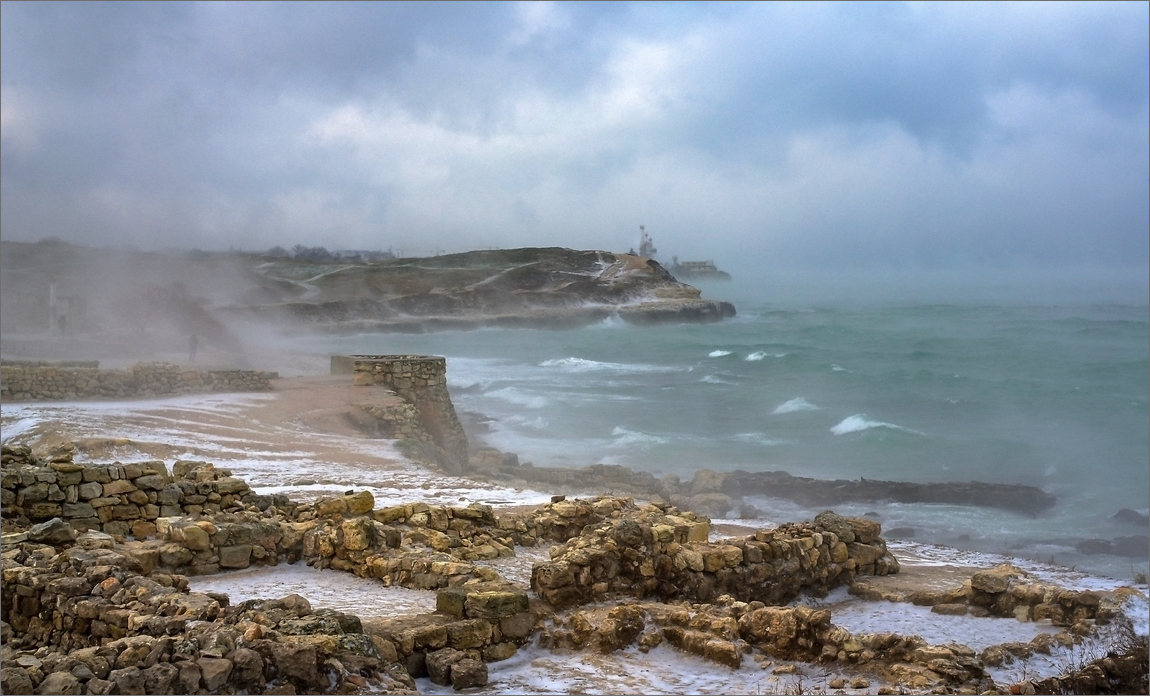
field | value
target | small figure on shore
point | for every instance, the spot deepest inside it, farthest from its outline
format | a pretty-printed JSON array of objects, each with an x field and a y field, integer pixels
[
  {"x": 193, "y": 343},
  {"x": 62, "y": 322}
]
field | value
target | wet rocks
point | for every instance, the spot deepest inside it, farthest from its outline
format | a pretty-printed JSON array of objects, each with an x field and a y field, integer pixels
[
  {"x": 1027, "y": 500},
  {"x": 654, "y": 552}
]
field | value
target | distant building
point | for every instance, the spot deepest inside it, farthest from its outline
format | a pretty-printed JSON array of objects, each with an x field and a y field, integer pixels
[{"x": 687, "y": 270}]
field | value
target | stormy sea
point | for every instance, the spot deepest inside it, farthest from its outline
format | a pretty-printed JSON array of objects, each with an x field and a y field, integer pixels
[{"x": 1053, "y": 397}]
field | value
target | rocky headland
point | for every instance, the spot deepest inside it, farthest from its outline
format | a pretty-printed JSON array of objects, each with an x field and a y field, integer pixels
[{"x": 84, "y": 303}]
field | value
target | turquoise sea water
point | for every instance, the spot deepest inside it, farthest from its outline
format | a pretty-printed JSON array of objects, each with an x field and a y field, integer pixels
[{"x": 1055, "y": 397}]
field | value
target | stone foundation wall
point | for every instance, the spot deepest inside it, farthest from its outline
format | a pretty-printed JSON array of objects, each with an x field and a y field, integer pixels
[
  {"x": 119, "y": 499},
  {"x": 43, "y": 381},
  {"x": 653, "y": 555},
  {"x": 432, "y": 429},
  {"x": 110, "y": 626}
]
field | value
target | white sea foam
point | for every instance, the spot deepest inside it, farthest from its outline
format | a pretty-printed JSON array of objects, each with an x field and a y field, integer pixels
[
  {"x": 518, "y": 397},
  {"x": 718, "y": 353},
  {"x": 712, "y": 379},
  {"x": 536, "y": 423},
  {"x": 796, "y": 404},
  {"x": 581, "y": 365},
  {"x": 762, "y": 354},
  {"x": 860, "y": 422},
  {"x": 836, "y": 368},
  {"x": 758, "y": 439},
  {"x": 630, "y": 438}
]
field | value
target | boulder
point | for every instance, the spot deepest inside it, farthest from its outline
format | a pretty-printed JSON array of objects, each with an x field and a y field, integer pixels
[
  {"x": 238, "y": 556},
  {"x": 468, "y": 673},
  {"x": 295, "y": 660},
  {"x": 248, "y": 665},
  {"x": 995, "y": 580},
  {"x": 160, "y": 677},
  {"x": 214, "y": 672},
  {"x": 495, "y": 604},
  {"x": 360, "y": 503},
  {"x": 439, "y": 664},
  {"x": 128, "y": 680},
  {"x": 57, "y": 683},
  {"x": 836, "y": 523},
  {"x": 55, "y": 532},
  {"x": 196, "y": 539}
]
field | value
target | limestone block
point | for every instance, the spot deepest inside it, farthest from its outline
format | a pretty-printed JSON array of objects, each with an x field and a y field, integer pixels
[
  {"x": 238, "y": 556},
  {"x": 195, "y": 538},
  {"x": 439, "y": 664},
  {"x": 360, "y": 503},
  {"x": 214, "y": 672},
  {"x": 470, "y": 633},
  {"x": 118, "y": 487},
  {"x": 79, "y": 510},
  {"x": 90, "y": 490},
  {"x": 495, "y": 604}
]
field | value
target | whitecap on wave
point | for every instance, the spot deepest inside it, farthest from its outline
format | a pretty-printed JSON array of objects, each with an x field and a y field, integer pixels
[
  {"x": 718, "y": 353},
  {"x": 796, "y": 404},
  {"x": 712, "y": 379},
  {"x": 757, "y": 439},
  {"x": 761, "y": 354},
  {"x": 860, "y": 422},
  {"x": 627, "y": 438},
  {"x": 581, "y": 365},
  {"x": 516, "y": 396}
]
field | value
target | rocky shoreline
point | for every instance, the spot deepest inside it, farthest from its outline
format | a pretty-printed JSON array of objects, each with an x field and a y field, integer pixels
[{"x": 109, "y": 611}]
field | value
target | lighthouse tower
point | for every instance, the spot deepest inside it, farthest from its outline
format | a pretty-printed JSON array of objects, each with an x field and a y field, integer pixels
[{"x": 646, "y": 245}]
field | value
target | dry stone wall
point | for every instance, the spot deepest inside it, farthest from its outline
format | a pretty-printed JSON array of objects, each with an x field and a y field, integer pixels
[
  {"x": 654, "y": 555},
  {"x": 45, "y": 381},
  {"x": 430, "y": 426},
  {"x": 119, "y": 499},
  {"x": 105, "y": 625}
]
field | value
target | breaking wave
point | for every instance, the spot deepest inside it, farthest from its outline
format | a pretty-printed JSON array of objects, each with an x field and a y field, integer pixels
[
  {"x": 581, "y": 365},
  {"x": 718, "y": 353},
  {"x": 624, "y": 438},
  {"x": 860, "y": 422},
  {"x": 796, "y": 404},
  {"x": 516, "y": 396}
]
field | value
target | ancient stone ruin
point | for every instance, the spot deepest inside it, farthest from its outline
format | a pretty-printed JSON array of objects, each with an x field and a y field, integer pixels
[
  {"x": 47, "y": 381},
  {"x": 425, "y": 421},
  {"x": 96, "y": 558}
]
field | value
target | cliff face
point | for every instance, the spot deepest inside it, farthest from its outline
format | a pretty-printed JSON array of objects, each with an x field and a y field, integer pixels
[{"x": 536, "y": 287}]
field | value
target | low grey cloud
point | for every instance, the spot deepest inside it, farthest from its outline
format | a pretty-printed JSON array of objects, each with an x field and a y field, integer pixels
[{"x": 923, "y": 136}]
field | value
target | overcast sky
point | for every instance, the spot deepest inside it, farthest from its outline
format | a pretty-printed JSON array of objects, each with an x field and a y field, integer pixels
[{"x": 907, "y": 136}]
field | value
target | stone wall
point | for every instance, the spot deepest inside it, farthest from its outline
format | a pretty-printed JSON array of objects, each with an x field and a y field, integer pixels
[
  {"x": 435, "y": 432},
  {"x": 119, "y": 499},
  {"x": 654, "y": 555},
  {"x": 44, "y": 381},
  {"x": 103, "y": 624}
]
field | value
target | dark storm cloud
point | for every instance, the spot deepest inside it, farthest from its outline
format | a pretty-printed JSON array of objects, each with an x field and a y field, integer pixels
[{"x": 901, "y": 135}]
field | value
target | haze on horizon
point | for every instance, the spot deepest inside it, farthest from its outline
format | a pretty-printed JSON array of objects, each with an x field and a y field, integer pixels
[{"x": 922, "y": 142}]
